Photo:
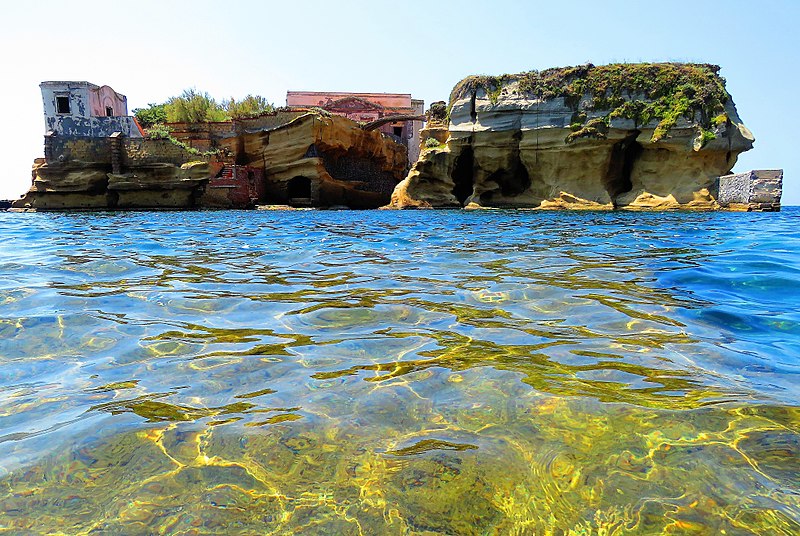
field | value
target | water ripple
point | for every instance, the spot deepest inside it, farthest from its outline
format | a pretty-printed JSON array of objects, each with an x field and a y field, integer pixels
[{"x": 400, "y": 373}]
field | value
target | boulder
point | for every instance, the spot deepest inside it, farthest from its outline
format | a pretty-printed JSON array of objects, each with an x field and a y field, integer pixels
[{"x": 627, "y": 136}]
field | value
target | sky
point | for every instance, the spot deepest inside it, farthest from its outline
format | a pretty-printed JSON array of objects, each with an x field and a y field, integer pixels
[{"x": 152, "y": 50}]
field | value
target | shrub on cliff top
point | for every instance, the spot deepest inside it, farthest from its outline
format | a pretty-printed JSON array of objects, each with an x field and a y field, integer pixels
[
  {"x": 193, "y": 106},
  {"x": 437, "y": 112},
  {"x": 639, "y": 91},
  {"x": 153, "y": 114},
  {"x": 250, "y": 106}
]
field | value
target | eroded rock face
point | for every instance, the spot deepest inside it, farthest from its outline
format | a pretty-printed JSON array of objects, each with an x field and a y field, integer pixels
[
  {"x": 651, "y": 136},
  {"x": 314, "y": 160},
  {"x": 91, "y": 185},
  {"x": 323, "y": 160}
]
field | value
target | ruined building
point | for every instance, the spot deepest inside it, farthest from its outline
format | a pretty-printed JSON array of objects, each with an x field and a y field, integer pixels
[
  {"x": 82, "y": 109},
  {"x": 98, "y": 157}
]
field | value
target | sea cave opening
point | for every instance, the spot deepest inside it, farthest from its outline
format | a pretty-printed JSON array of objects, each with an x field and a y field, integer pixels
[
  {"x": 464, "y": 175},
  {"x": 512, "y": 180},
  {"x": 624, "y": 154}
]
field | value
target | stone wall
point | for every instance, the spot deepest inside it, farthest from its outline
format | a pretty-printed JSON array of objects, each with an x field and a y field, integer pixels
[
  {"x": 757, "y": 190},
  {"x": 71, "y": 148},
  {"x": 201, "y": 136},
  {"x": 142, "y": 151},
  {"x": 363, "y": 173}
]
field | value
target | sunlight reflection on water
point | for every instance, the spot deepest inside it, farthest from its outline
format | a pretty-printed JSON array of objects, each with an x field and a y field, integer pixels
[{"x": 400, "y": 373}]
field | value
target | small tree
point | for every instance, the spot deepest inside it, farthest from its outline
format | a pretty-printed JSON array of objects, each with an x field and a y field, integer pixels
[
  {"x": 250, "y": 106},
  {"x": 153, "y": 114},
  {"x": 193, "y": 106}
]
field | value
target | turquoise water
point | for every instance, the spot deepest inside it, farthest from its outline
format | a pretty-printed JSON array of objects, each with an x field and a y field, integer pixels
[{"x": 381, "y": 372}]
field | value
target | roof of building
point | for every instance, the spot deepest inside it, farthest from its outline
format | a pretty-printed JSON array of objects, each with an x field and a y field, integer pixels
[
  {"x": 80, "y": 83},
  {"x": 348, "y": 93},
  {"x": 75, "y": 83}
]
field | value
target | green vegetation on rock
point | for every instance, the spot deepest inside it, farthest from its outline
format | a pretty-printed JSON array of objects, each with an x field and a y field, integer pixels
[
  {"x": 642, "y": 92},
  {"x": 437, "y": 113},
  {"x": 160, "y": 131},
  {"x": 193, "y": 106},
  {"x": 250, "y": 106},
  {"x": 152, "y": 115}
]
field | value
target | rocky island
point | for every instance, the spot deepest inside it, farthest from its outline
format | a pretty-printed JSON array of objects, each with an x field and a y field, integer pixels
[
  {"x": 654, "y": 136},
  {"x": 622, "y": 136}
]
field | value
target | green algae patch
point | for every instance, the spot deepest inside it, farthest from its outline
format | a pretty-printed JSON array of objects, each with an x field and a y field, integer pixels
[
  {"x": 641, "y": 92},
  {"x": 427, "y": 445}
]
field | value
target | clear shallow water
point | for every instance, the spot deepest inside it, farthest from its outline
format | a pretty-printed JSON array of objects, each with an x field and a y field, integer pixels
[{"x": 400, "y": 373}]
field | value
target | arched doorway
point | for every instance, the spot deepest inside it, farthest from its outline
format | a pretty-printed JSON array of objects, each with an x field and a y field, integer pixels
[{"x": 298, "y": 190}]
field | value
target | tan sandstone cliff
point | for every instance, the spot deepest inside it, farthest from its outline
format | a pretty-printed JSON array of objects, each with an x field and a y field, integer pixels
[
  {"x": 305, "y": 159},
  {"x": 340, "y": 163},
  {"x": 629, "y": 136}
]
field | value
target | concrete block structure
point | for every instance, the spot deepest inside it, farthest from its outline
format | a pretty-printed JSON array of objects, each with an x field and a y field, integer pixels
[{"x": 756, "y": 190}]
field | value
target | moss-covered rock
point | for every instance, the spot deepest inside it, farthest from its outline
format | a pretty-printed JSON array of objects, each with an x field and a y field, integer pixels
[
  {"x": 636, "y": 136},
  {"x": 641, "y": 92}
]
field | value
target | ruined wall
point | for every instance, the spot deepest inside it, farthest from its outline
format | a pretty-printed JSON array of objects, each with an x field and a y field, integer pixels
[
  {"x": 321, "y": 98},
  {"x": 200, "y": 136},
  {"x": 267, "y": 121},
  {"x": 76, "y": 92},
  {"x": 86, "y": 114},
  {"x": 144, "y": 151},
  {"x": 73, "y": 148},
  {"x": 135, "y": 151},
  {"x": 358, "y": 170},
  {"x": 234, "y": 186},
  {"x": 757, "y": 190},
  {"x": 415, "y": 127}
]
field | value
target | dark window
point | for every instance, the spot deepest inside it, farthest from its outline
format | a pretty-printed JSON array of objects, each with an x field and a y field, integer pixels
[
  {"x": 398, "y": 131},
  {"x": 62, "y": 105},
  {"x": 299, "y": 188},
  {"x": 109, "y": 111}
]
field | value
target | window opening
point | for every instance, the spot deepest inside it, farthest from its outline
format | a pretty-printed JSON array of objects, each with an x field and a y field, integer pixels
[{"x": 62, "y": 105}]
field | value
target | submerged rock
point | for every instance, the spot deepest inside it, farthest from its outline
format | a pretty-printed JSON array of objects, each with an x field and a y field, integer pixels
[{"x": 632, "y": 136}]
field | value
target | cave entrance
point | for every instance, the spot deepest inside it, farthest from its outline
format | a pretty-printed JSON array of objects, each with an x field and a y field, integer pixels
[
  {"x": 298, "y": 190},
  {"x": 624, "y": 154},
  {"x": 512, "y": 180},
  {"x": 464, "y": 175}
]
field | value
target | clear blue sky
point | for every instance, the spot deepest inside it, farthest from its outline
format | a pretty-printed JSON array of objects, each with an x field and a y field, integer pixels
[{"x": 151, "y": 50}]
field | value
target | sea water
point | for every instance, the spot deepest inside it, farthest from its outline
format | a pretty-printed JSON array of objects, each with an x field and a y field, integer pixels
[{"x": 382, "y": 372}]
